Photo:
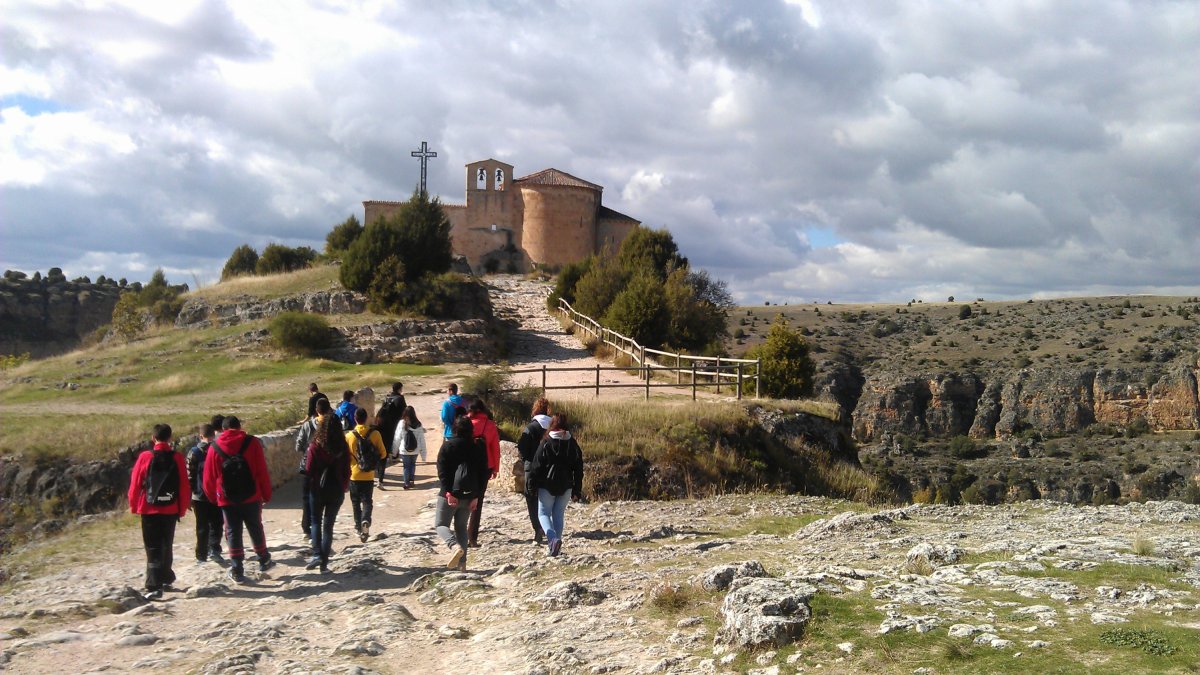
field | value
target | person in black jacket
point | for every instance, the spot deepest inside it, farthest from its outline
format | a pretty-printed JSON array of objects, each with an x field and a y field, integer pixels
[
  {"x": 527, "y": 445},
  {"x": 557, "y": 473},
  {"x": 209, "y": 522},
  {"x": 462, "y": 469},
  {"x": 390, "y": 412}
]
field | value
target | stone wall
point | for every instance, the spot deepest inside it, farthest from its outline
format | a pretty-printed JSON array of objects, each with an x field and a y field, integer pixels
[
  {"x": 560, "y": 223},
  {"x": 49, "y": 315},
  {"x": 200, "y": 313}
]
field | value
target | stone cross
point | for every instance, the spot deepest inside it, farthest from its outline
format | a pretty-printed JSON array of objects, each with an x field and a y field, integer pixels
[{"x": 423, "y": 154}]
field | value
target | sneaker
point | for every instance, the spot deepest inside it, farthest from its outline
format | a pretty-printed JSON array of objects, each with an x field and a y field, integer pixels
[
  {"x": 314, "y": 562},
  {"x": 364, "y": 532},
  {"x": 237, "y": 576},
  {"x": 201, "y": 561},
  {"x": 381, "y": 486},
  {"x": 265, "y": 564},
  {"x": 458, "y": 557},
  {"x": 406, "y": 486},
  {"x": 155, "y": 594},
  {"x": 216, "y": 557},
  {"x": 555, "y": 547},
  {"x": 325, "y": 569}
]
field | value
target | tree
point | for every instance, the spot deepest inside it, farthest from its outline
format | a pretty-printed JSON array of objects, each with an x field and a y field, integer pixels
[
  {"x": 652, "y": 250},
  {"x": 696, "y": 323},
  {"x": 339, "y": 239},
  {"x": 127, "y": 316},
  {"x": 418, "y": 234},
  {"x": 243, "y": 260},
  {"x": 640, "y": 310},
  {"x": 277, "y": 258},
  {"x": 787, "y": 369},
  {"x": 568, "y": 278},
  {"x": 598, "y": 288}
]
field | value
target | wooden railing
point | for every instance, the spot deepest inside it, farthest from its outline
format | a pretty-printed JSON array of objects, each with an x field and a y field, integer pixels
[{"x": 702, "y": 371}]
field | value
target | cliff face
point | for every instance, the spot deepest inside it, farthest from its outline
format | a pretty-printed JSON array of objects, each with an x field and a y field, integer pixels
[
  {"x": 49, "y": 315},
  {"x": 1051, "y": 401}
]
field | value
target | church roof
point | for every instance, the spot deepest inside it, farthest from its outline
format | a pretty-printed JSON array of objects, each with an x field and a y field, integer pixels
[
  {"x": 556, "y": 177},
  {"x": 608, "y": 214}
]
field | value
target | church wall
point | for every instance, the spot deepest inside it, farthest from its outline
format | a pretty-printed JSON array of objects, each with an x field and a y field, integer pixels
[
  {"x": 610, "y": 232},
  {"x": 559, "y": 224},
  {"x": 373, "y": 211}
]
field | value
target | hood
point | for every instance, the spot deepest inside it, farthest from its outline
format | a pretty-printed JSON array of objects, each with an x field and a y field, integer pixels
[
  {"x": 542, "y": 420},
  {"x": 560, "y": 434},
  {"x": 230, "y": 440}
]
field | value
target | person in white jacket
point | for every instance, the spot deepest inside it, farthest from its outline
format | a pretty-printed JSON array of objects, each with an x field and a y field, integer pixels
[{"x": 408, "y": 443}]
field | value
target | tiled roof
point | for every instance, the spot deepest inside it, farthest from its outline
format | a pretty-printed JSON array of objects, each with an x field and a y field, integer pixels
[
  {"x": 556, "y": 177},
  {"x": 608, "y": 214}
]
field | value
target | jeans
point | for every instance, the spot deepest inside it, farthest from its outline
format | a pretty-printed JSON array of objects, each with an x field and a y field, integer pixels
[
  {"x": 410, "y": 468},
  {"x": 208, "y": 528},
  {"x": 248, "y": 515},
  {"x": 477, "y": 514},
  {"x": 324, "y": 511},
  {"x": 361, "y": 492},
  {"x": 459, "y": 514},
  {"x": 380, "y": 468},
  {"x": 158, "y": 536},
  {"x": 550, "y": 512}
]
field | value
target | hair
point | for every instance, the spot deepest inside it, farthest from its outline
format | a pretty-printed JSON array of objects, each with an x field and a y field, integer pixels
[
  {"x": 231, "y": 422},
  {"x": 218, "y": 422},
  {"x": 347, "y": 395},
  {"x": 396, "y": 387},
  {"x": 324, "y": 427},
  {"x": 540, "y": 407},
  {"x": 452, "y": 388},
  {"x": 162, "y": 432},
  {"x": 312, "y": 386},
  {"x": 463, "y": 427},
  {"x": 323, "y": 406},
  {"x": 207, "y": 430},
  {"x": 360, "y": 415},
  {"x": 558, "y": 422},
  {"x": 410, "y": 415},
  {"x": 478, "y": 406}
]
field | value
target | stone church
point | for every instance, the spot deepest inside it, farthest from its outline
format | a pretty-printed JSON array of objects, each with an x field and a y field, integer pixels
[{"x": 544, "y": 220}]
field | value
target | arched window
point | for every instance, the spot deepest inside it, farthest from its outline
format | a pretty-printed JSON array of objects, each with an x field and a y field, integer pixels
[
  {"x": 481, "y": 179},
  {"x": 499, "y": 179}
]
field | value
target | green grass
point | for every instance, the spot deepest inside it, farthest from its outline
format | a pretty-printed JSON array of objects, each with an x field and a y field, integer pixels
[
  {"x": 780, "y": 526},
  {"x": 1114, "y": 574}
]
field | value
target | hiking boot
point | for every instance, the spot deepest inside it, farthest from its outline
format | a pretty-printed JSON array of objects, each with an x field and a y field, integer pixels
[
  {"x": 457, "y": 557},
  {"x": 555, "y": 547},
  {"x": 313, "y": 563},
  {"x": 265, "y": 564}
]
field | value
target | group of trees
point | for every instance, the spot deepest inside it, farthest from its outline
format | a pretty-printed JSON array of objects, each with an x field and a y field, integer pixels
[
  {"x": 648, "y": 292},
  {"x": 156, "y": 302},
  {"x": 274, "y": 259}
]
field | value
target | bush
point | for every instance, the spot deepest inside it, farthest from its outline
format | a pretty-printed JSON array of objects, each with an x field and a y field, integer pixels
[
  {"x": 599, "y": 286},
  {"x": 568, "y": 278},
  {"x": 651, "y": 250},
  {"x": 339, "y": 239},
  {"x": 300, "y": 333},
  {"x": 965, "y": 447},
  {"x": 277, "y": 258},
  {"x": 787, "y": 368},
  {"x": 418, "y": 236},
  {"x": 127, "y": 318},
  {"x": 640, "y": 311},
  {"x": 242, "y": 261},
  {"x": 964, "y": 312}
]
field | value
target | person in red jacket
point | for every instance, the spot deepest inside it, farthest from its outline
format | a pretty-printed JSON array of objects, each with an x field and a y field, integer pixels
[
  {"x": 485, "y": 428},
  {"x": 236, "y": 479},
  {"x": 159, "y": 493}
]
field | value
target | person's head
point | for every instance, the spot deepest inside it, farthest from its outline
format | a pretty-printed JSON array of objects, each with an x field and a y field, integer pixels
[
  {"x": 397, "y": 387},
  {"x": 231, "y": 422},
  {"x": 347, "y": 395},
  {"x": 323, "y": 406},
  {"x": 162, "y": 433},
  {"x": 360, "y": 416},
  {"x": 452, "y": 389},
  {"x": 312, "y": 388},
  {"x": 478, "y": 407},
  {"x": 207, "y": 431},
  {"x": 327, "y": 425},
  {"x": 218, "y": 422},
  {"x": 463, "y": 427},
  {"x": 541, "y": 407},
  {"x": 558, "y": 422},
  {"x": 410, "y": 417}
]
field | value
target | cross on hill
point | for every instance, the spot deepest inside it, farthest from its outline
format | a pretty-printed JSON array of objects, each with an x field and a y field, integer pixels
[{"x": 423, "y": 154}]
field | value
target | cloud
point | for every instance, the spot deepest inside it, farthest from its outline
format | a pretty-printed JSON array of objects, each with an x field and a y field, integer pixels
[{"x": 801, "y": 150}]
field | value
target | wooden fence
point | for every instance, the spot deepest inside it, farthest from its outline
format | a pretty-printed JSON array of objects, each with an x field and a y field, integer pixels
[{"x": 701, "y": 371}]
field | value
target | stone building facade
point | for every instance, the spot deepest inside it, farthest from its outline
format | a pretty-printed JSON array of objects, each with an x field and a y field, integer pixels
[{"x": 543, "y": 220}]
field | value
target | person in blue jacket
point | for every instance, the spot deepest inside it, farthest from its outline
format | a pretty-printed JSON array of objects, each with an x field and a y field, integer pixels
[{"x": 451, "y": 408}]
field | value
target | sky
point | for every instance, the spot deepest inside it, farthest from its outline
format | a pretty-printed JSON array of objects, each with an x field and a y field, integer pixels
[{"x": 803, "y": 151}]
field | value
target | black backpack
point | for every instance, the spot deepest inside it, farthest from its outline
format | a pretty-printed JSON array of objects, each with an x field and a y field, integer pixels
[
  {"x": 466, "y": 482},
  {"x": 366, "y": 460},
  {"x": 236, "y": 478},
  {"x": 410, "y": 440},
  {"x": 329, "y": 484},
  {"x": 161, "y": 484}
]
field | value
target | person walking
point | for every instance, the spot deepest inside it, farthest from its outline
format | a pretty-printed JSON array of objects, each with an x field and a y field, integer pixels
[
  {"x": 461, "y": 467},
  {"x": 450, "y": 410},
  {"x": 390, "y": 412},
  {"x": 314, "y": 395},
  {"x": 409, "y": 442},
  {"x": 485, "y": 429},
  {"x": 366, "y": 454},
  {"x": 208, "y": 515},
  {"x": 308, "y": 429},
  {"x": 557, "y": 472},
  {"x": 346, "y": 409},
  {"x": 159, "y": 493},
  {"x": 527, "y": 445},
  {"x": 236, "y": 479},
  {"x": 327, "y": 476}
]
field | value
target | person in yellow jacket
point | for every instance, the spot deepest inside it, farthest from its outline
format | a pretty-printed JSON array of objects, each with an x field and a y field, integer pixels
[{"x": 366, "y": 452}]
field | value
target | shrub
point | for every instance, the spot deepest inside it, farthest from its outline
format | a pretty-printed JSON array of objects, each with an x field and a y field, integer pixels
[
  {"x": 418, "y": 236},
  {"x": 651, "y": 250},
  {"x": 964, "y": 312},
  {"x": 568, "y": 277},
  {"x": 965, "y": 447},
  {"x": 242, "y": 261},
  {"x": 339, "y": 239},
  {"x": 127, "y": 318},
  {"x": 787, "y": 369},
  {"x": 277, "y": 258},
  {"x": 1143, "y": 546},
  {"x": 640, "y": 311},
  {"x": 599, "y": 286},
  {"x": 300, "y": 333}
]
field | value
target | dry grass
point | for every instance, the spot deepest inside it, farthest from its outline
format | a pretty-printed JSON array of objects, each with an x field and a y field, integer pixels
[
  {"x": 1143, "y": 546},
  {"x": 320, "y": 278}
]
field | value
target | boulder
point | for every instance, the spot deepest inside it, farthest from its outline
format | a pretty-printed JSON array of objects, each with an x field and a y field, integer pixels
[
  {"x": 764, "y": 612},
  {"x": 720, "y": 577}
]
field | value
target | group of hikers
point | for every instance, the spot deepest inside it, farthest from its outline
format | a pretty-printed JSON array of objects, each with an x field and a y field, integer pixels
[{"x": 224, "y": 479}]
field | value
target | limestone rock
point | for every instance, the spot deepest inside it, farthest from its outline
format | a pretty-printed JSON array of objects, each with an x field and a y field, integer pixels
[
  {"x": 760, "y": 612},
  {"x": 720, "y": 577}
]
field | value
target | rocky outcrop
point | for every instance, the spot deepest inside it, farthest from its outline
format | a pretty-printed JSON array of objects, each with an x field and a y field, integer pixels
[
  {"x": 1052, "y": 401},
  {"x": 200, "y": 313},
  {"x": 49, "y": 315}
]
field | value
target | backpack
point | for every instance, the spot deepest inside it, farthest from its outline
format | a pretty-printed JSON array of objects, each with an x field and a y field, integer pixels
[
  {"x": 348, "y": 419},
  {"x": 366, "y": 460},
  {"x": 236, "y": 478},
  {"x": 161, "y": 483},
  {"x": 466, "y": 481},
  {"x": 410, "y": 440},
  {"x": 195, "y": 467},
  {"x": 328, "y": 483}
]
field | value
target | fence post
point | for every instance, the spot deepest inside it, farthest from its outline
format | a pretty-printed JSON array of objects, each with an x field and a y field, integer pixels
[
  {"x": 597, "y": 380},
  {"x": 678, "y": 372},
  {"x": 645, "y": 373},
  {"x": 647, "y": 367},
  {"x": 693, "y": 380},
  {"x": 543, "y": 379},
  {"x": 757, "y": 377},
  {"x": 739, "y": 384},
  {"x": 718, "y": 374}
]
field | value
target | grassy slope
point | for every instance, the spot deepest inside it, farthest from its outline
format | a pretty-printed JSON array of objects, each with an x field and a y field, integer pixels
[
  {"x": 181, "y": 377},
  {"x": 1084, "y": 332}
]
